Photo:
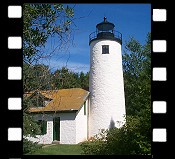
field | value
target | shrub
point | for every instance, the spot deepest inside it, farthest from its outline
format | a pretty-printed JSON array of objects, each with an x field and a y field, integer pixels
[
  {"x": 29, "y": 146},
  {"x": 127, "y": 140},
  {"x": 95, "y": 145}
]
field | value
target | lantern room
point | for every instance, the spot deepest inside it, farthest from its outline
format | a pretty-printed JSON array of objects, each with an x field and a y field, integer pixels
[{"x": 105, "y": 30}]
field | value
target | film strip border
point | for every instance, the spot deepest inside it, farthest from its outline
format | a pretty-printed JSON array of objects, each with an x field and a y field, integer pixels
[
  {"x": 13, "y": 100},
  {"x": 159, "y": 89},
  {"x": 12, "y": 84}
]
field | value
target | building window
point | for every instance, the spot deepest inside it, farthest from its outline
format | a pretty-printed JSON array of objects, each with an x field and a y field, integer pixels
[
  {"x": 43, "y": 126},
  {"x": 84, "y": 108},
  {"x": 105, "y": 49},
  {"x": 37, "y": 101}
]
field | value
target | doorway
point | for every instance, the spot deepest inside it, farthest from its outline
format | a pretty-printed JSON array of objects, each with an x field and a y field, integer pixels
[{"x": 56, "y": 129}]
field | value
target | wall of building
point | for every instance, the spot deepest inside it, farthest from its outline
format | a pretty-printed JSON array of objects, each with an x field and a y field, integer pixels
[
  {"x": 67, "y": 128},
  {"x": 106, "y": 86},
  {"x": 81, "y": 124}
]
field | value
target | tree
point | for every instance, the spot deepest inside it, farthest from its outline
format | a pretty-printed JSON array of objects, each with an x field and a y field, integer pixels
[
  {"x": 36, "y": 77},
  {"x": 40, "y": 22},
  {"x": 135, "y": 136},
  {"x": 29, "y": 127},
  {"x": 137, "y": 75},
  {"x": 65, "y": 78},
  {"x": 84, "y": 80}
]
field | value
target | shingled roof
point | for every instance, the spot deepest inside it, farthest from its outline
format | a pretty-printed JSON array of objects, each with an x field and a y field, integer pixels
[{"x": 61, "y": 100}]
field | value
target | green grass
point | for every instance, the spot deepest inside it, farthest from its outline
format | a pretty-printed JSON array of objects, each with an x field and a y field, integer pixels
[{"x": 60, "y": 149}]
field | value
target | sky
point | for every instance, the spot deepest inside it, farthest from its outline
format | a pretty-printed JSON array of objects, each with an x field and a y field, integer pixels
[{"x": 132, "y": 20}]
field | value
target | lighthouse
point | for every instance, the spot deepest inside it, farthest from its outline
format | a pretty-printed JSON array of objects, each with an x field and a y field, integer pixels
[{"x": 106, "y": 85}]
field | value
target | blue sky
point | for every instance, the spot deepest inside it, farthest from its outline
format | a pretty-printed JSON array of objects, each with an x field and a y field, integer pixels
[{"x": 129, "y": 19}]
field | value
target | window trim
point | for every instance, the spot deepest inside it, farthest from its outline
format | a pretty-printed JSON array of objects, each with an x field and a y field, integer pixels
[
  {"x": 43, "y": 126},
  {"x": 105, "y": 49},
  {"x": 85, "y": 108}
]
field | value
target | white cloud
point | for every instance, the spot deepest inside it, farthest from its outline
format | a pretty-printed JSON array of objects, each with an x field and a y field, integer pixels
[
  {"x": 78, "y": 67},
  {"x": 55, "y": 64}
]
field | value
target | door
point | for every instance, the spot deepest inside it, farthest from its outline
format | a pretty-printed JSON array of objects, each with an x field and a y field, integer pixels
[{"x": 56, "y": 129}]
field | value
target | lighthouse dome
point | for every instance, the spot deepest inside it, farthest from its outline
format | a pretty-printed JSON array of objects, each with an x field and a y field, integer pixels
[
  {"x": 105, "y": 30},
  {"x": 105, "y": 25}
]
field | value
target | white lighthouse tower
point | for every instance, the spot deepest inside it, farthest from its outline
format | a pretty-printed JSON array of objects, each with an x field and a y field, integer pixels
[{"x": 106, "y": 85}]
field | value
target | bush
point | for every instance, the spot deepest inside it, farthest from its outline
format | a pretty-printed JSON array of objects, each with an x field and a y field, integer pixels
[
  {"x": 127, "y": 140},
  {"x": 95, "y": 145},
  {"x": 30, "y": 147}
]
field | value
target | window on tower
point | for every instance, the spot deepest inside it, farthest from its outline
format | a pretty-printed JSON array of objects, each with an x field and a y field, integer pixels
[{"x": 105, "y": 49}]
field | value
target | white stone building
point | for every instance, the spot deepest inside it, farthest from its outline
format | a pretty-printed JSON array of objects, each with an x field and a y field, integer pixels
[
  {"x": 74, "y": 115},
  {"x": 64, "y": 119}
]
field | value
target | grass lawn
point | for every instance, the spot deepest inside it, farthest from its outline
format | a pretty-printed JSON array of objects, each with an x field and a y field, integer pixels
[{"x": 60, "y": 149}]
